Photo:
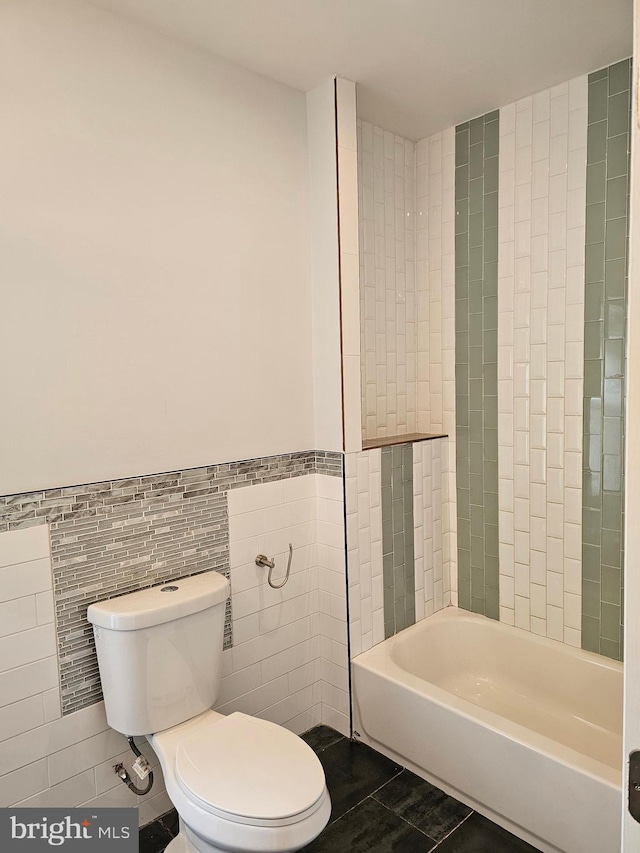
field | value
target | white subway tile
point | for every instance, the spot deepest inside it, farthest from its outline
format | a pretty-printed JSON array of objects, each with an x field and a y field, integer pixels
[
  {"x": 51, "y": 705},
  {"x": 68, "y": 794},
  {"x": 256, "y": 701},
  {"x": 541, "y": 107},
  {"x": 25, "y": 647},
  {"x": 26, "y": 578},
  {"x": 18, "y": 615},
  {"x": 538, "y": 601},
  {"x": 20, "y": 717},
  {"x": 28, "y": 680},
  {"x": 120, "y": 797},
  {"x": 23, "y": 783},
  {"x": 555, "y": 626},
  {"x": 84, "y": 755},
  {"x": 522, "y": 613},
  {"x": 22, "y": 546}
]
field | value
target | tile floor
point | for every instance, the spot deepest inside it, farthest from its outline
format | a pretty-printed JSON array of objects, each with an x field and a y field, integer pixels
[{"x": 378, "y": 807}]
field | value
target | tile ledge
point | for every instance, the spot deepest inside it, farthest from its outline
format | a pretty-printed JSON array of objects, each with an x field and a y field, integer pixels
[{"x": 409, "y": 438}]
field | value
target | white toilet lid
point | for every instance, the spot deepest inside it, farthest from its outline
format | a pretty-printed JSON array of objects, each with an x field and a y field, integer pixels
[{"x": 249, "y": 770}]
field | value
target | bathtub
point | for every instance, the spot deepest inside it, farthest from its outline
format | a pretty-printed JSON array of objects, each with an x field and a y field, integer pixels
[{"x": 525, "y": 730}]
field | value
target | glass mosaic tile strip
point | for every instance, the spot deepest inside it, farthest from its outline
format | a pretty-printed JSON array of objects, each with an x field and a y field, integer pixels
[
  {"x": 476, "y": 326},
  {"x": 606, "y": 284},
  {"x": 398, "y": 564}
]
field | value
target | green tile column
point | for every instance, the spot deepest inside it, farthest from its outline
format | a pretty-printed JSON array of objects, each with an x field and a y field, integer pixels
[
  {"x": 476, "y": 318},
  {"x": 606, "y": 251},
  {"x": 398, "y": 564}
]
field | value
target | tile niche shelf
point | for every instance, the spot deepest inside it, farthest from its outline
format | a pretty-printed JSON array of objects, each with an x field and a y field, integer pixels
[{"x": 408, "y": 438}]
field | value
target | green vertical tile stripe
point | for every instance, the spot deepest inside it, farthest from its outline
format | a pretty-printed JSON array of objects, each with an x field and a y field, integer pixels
[
  {"x": 606, "y": 253},
  {"x": 398, "y": 566},
  {"x": 476, "y": 319}
]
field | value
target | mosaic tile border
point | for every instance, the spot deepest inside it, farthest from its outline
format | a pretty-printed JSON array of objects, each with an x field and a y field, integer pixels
[
  {"x": 118, "y": 536},
  {"x": 606, "y": 288},
  {"x": 476, "y": 327}
]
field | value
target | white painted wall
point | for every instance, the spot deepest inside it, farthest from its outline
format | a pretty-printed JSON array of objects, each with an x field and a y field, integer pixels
[
  {"x": 325, "y": 266},
  {"x": 347, "y": 148},
  {"x": 154, "y": 253}
]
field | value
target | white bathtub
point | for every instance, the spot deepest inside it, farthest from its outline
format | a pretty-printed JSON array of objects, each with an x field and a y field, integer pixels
[{"x": 525, "y": 730}]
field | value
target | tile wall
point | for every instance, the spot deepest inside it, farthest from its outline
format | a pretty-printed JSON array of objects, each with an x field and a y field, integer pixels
[
  {"x": 289, "y": 659},
  {"x": 543, "y": 143},
  {"x": 407, "y": 298},
  {"x": 395, "y": 578},
  {"x": 607, "y": 228},
  {"x": 553, "y": 357},
  {"x": 432, "y": 576},
  {"x": 435, "y": 283},
  {"x": 398, "y": 561},
  {"x": 476, "y": 335},
  {"x": 47, "y": 759},
  {"x": 288, "y": 662},
  {"x": 115, "y": 537},
  {"x": 363, "y": 485},
  {"x": 386, "y": 188}
]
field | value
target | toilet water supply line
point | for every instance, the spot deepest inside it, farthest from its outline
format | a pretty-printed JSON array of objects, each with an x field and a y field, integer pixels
[
  {"x": 141, "y": 767},
  {"x": 265, "y": 562}
]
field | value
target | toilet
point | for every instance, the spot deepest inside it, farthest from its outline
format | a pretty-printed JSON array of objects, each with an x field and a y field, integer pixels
[{"x": 237, "y": 782}]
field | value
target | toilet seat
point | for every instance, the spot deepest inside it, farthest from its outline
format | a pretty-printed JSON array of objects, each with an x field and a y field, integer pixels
[{"x": 250, "y": 771}]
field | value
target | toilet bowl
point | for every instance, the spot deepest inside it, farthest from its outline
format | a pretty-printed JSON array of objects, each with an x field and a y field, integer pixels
[{"x": 239, "y": 784}]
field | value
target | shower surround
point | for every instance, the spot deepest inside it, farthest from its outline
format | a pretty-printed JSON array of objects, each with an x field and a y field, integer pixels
[{"x": 516, "y": 303}]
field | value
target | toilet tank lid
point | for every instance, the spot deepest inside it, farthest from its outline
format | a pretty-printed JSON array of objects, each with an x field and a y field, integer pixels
[{"x": 162, "y": 603}]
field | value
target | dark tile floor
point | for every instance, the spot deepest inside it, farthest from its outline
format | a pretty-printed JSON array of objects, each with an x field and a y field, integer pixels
[{"x": 378, "y": 807}]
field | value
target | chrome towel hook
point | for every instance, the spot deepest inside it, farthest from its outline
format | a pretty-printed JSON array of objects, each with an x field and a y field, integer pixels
[{"x": 265, "y": 562}]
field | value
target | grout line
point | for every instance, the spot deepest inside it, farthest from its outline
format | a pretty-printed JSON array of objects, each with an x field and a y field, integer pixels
[
  {"x": 390, "y": 779},
  {"x": 400, "y": 817},
  {"x": 360, "y": 802},
  {"x": 409, "y": 823},
  {"x": 455, "y": 828},
  {"x": 436, "y": 843}
]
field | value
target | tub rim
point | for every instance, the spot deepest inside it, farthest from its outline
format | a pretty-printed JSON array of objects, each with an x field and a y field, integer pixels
[{"x": 379, "y": 660}]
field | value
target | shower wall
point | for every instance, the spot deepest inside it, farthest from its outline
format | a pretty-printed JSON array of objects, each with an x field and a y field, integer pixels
[
  {"x": 606, "y": 289},
  {"x": 561, "y": 308},
  {"x": 543, "y": 151},
  {"x": 521, "y": 222},
  {"x": 401, "y": 500},
  {"x": 397, "y": 567},
  {"x": 435, "y": 284},
  {"x": 386, "y": 189}
]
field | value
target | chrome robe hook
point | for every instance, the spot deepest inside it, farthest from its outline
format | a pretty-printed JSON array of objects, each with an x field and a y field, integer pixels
[{"x": 265, "y": 562}]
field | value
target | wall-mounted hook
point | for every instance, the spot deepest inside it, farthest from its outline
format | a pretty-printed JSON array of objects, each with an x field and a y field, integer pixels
[{"x": 265, "y": 562}]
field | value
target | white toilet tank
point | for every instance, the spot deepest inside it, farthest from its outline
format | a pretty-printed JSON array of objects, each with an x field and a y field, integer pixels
[{"x": 160, "y": 652}]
